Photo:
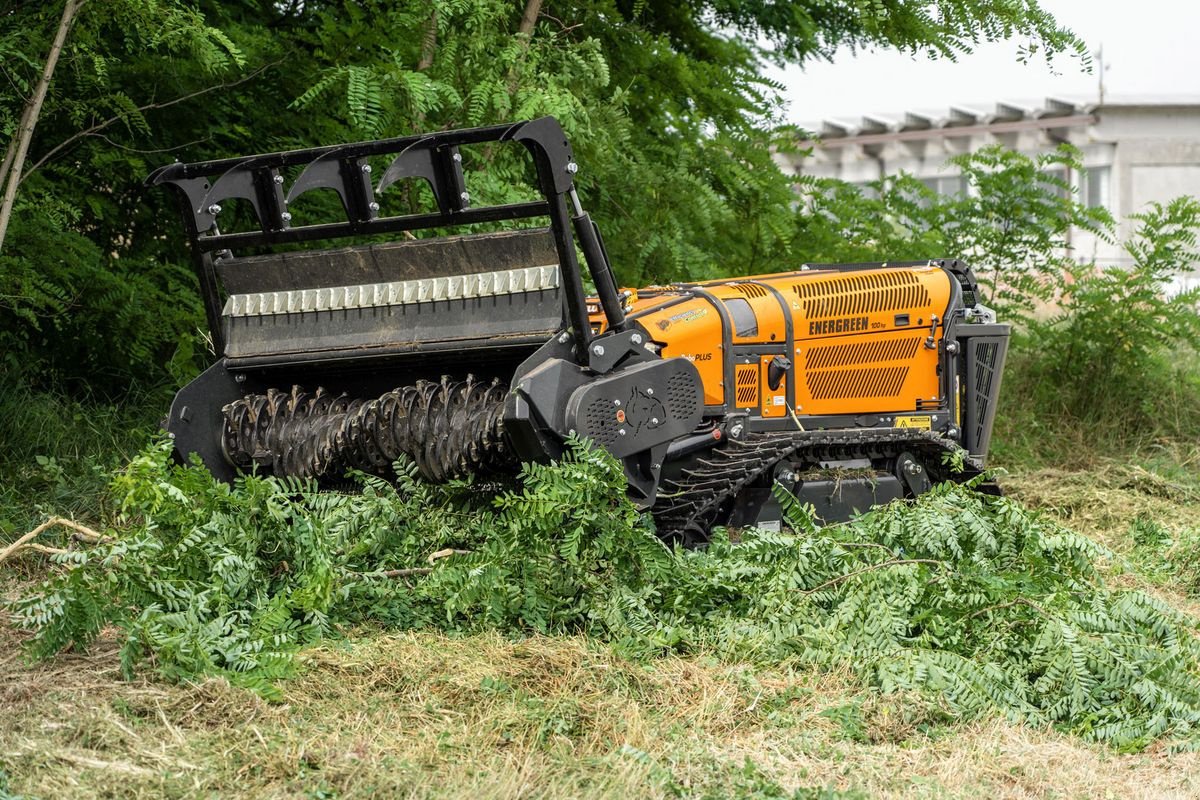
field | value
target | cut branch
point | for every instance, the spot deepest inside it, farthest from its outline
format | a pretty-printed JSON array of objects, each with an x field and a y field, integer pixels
[
  {"x": 81, "y": 531},
  {"x": 881, "y": 565},
  {"x": 399, "y": 573},
  {"x": 446, "y": 553},
  {"x": 30, "y": 117}
]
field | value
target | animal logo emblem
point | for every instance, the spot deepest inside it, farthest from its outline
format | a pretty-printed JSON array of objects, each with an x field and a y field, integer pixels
[{"x": 644, "y": 411}]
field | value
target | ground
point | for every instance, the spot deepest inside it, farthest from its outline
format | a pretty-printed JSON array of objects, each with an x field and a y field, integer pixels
[{"x": 426, "y": 715}]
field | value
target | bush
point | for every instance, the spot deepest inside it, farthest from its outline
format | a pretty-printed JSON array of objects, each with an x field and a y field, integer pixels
[{"x": 962, "y": 595}]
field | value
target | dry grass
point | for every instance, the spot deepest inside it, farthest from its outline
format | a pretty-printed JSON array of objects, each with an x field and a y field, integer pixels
[{"x": 425, "y": 715}]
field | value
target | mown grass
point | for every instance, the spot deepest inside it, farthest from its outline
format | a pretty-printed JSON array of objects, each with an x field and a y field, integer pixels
[{"x": 426, "y": 715}]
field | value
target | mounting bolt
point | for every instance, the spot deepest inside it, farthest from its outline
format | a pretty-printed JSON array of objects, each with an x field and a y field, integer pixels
[
  {"x": 650, "y": 391},
  {"x": 788, "y": 476},
  {"x": 598, "y": 350},
  {"x": 286, "y": 216},
  {"x": 736, "y": 430},
  {"x": 951, "y": 347},
  {"x": 374, "y": 207},
  {"x": 564, "y": 337},
  {"x": 466, "y": 197},
  {"x": 620, "y": 431},
  {"x": 278, "y": 180},
  {"x": 616, "y": 402},
  {"x": 654, "y": 420},
  {"x": 366, "y": 168},
  {"x": 214, "y": 209},
  {"x": 572, "y": 167},
  {"x": 636, "y": 338},
  {"x": 952, "y": 432},
  {"x": 240, "y": 378},
  {"x": 171, "y": 435},
  {"x": 913, "y": 468},
  {"x": 457, "y": 158}
]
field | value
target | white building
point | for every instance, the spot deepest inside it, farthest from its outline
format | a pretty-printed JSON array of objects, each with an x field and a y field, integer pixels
[{"x": 1134, "y": 150}]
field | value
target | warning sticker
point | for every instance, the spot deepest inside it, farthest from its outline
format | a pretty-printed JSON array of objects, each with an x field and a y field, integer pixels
[{"x": 914, "y": 422}]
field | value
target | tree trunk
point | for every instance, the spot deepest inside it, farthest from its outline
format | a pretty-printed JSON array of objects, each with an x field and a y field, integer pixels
[
  {"x": 29, "y": 119},
  {"x": 9, "y": 152},
  {"x": 532, "y": 9},
  {"x": 524, "y": 33},
  {"x": 428, "y": 43}
]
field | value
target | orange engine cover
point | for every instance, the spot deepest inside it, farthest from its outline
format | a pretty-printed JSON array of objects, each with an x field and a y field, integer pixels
[{"x": 860, "y": 340}]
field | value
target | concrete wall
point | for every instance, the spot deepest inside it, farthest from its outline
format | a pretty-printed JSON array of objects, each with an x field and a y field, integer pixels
[{"x": 1135, "y": 153}]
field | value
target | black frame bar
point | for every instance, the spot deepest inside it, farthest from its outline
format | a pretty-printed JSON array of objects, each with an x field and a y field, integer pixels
[{"x": 434, "y": 157}]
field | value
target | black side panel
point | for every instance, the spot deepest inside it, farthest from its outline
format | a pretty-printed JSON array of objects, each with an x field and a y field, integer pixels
[
  {"x": 632, "y": 410},
  {"x": 196, "y": 422},
  {"x": 984, "y": 349}
]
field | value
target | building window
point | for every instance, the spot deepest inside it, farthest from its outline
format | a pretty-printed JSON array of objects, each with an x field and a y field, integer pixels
[
  {"x": 1095, "y": 188},
  {"x": 1055, "y": 182},
  {"x": 947, "y": 185}
]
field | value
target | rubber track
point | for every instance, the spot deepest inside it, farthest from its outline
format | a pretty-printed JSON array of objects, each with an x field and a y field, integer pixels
[{"x": 695, "y": 500}]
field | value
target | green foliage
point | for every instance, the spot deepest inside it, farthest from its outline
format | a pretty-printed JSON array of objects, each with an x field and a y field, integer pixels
[
  {"x": 665, "y": 102},
  {"x": 1117, "y": 329},
  {"x": 59, "y": 453},
  {"x": 1011, "y": 223},
  {"x": 1171, "y": 558},
  {"x": 966, "y": 597}
]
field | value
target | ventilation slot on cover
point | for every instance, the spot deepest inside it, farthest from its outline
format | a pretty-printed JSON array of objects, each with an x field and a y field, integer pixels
[
  {"x": 681, "y": 396},
  {"x": 985, "y": 373},
  {"x": 868, "y": 293},
  {"x": 749, "y": 289},
  {"x": 746, "y": 378},
  {"x": 872, "y": 352},
  {"x": 854, "y": 383},
  {"x": 602, "y": 422}
]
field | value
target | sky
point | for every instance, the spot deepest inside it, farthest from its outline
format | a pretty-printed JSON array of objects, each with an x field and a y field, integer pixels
[{"x": 1150, "y": 47}]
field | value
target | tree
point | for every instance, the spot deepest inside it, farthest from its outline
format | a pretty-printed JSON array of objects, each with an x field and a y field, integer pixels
[
  {"x": 14, "y": 156},
  {"x": 668, "y": 111}
]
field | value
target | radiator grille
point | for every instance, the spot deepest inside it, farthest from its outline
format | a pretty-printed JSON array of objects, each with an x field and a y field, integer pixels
[
  {"x": 984, "y": 348},
  {"x": 866, "y": 293},
  {"x": 874, "y": 351},
  {"x": 746, "y": 378},
  {"x": 985, "y": 374},
  {"x": 749, "y": 289},
  {"x": 852, "y": 383}
]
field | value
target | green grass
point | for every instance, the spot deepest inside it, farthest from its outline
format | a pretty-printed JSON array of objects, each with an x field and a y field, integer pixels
[{"x": 58, "y": 452}]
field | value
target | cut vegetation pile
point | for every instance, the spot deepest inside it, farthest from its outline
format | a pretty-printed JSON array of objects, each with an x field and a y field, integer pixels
[{"x": 969, "y": 601}]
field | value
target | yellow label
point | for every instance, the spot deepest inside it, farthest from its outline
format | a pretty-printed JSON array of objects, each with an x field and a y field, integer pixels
[{"x": 914, "y": 422}]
